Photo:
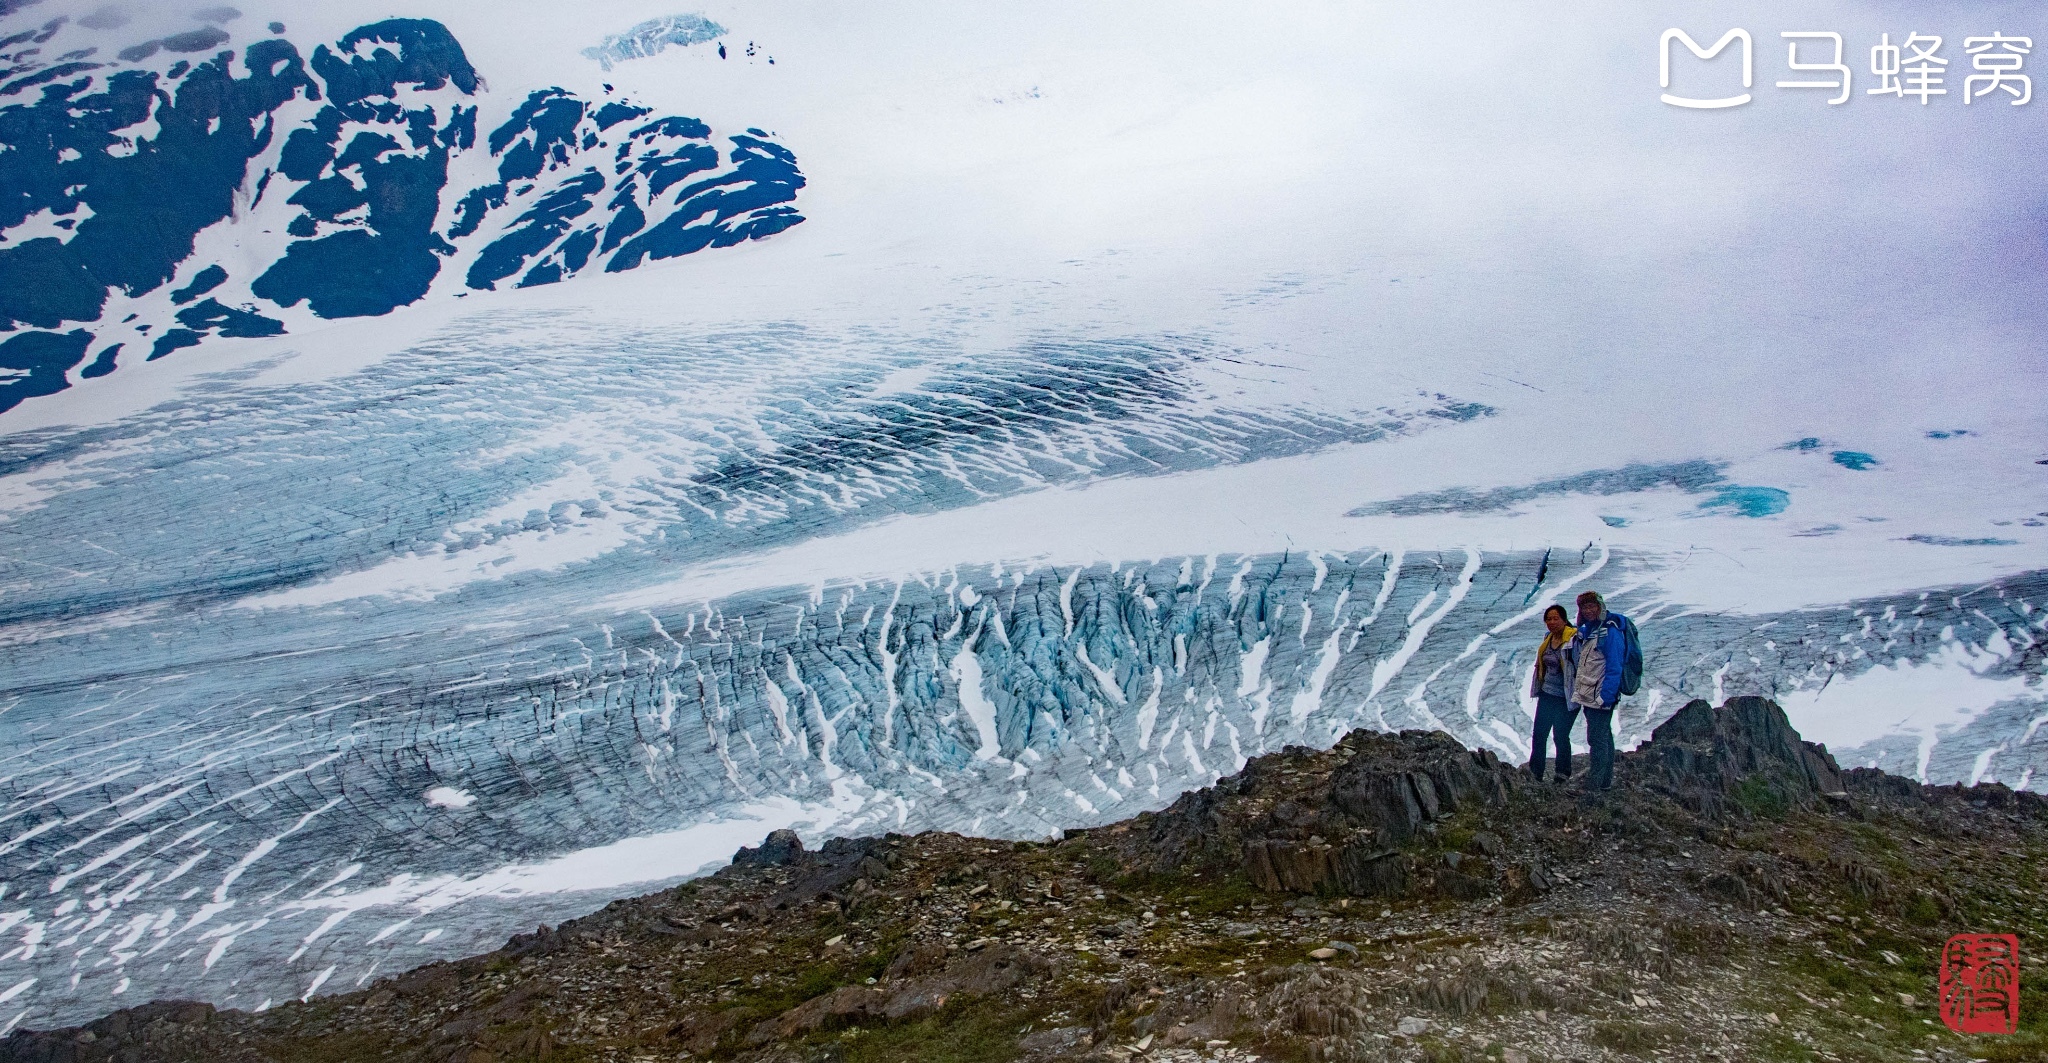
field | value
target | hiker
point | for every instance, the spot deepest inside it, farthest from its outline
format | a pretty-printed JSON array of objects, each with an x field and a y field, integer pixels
[
  {"x": 1594, "y": 662},
  {"x": 1554, "y": 712}
]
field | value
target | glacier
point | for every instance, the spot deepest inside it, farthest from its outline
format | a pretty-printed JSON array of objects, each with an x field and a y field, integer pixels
[
  {"x": 254, "y": 747},
  {"x": 652, "y": 37},
  {"x": 541, "y": 512}
]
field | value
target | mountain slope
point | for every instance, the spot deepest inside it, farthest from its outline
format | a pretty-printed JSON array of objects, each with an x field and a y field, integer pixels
[
  {"x": 183, "y": 190},
  {"x": 1395, "y": 897}
]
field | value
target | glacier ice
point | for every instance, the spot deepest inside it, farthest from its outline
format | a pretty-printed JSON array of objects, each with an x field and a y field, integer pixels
[
  {"x": 652, "y": 37},
  {"x": 318, "y": 680}
]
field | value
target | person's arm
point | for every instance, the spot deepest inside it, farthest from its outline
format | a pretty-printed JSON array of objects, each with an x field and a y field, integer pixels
[
  {"x": 1536, "y": 674},
  {"x": 1612, "y": 651}
]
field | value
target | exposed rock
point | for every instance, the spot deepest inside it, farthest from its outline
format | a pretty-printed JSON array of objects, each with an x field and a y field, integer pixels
[
  {"x": 779, "y": 848},
  {"x": 836, "y": 872},
  {"x": 1397, "y": 783},
  {"x": 915, "y": 960},
  {"x": 842, "y": 1006},
  {"x": 1702, "y": 755},
  {"x": 1464, "y": 887},
  {"x": 701, "y": 1032},
  {"x": 1346, "y": 839},
  {"x": 155, "y": 1030},
  {"x": 539, "y": 943},
  {"x": 1054, "y": 1043}
]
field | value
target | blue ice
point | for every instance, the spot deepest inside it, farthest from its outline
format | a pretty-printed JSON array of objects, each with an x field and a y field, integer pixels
[
  {"x": 652, "y": 36},
  {"x": 1749, "y": 501}
]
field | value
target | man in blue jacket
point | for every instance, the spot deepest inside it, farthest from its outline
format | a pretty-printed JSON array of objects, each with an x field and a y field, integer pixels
[{"x": 1593, "y": 677}]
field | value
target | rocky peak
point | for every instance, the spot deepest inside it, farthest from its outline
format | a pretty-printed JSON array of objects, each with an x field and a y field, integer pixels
[
  {"x": 780, "y": 848},
  {"x": 1703, "y": 755}
]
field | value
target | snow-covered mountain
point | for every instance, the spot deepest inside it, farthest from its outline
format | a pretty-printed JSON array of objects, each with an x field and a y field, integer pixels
[
  {"x": 155, "y": 195},
  {"x": 1141, "y": 392}
]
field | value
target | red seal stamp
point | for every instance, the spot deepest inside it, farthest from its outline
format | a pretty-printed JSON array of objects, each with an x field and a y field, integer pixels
[{"x": 1980, "y": 983}]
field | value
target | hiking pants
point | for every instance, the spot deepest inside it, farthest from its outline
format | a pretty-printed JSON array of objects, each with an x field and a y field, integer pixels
[
  {"x": 1554, "y": 719},
  {"x": 1600, "y": 740}
]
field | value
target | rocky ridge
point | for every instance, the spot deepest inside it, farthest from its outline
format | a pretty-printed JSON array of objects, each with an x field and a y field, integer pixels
[{"x": 1736, "y": 896}]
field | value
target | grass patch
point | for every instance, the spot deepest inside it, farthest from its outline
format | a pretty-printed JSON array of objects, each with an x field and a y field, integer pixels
[
  {"x": 776, "y": 995},
  {"x": 1850, "y": 1009},
  {"x": 1215, "y": 956},
  {"x": 335, "y": 1048},
  {"x": 1921, "y": 910},
  {"x": 1759, "y": 798},
  {"x": 1623, "y": 1035},
  {"x": 1199, "y": 894},
  {"x": 964, "y": 1031}
]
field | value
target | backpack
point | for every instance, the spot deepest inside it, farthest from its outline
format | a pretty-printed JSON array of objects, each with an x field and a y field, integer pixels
[{"x": 1631, "y": 654}]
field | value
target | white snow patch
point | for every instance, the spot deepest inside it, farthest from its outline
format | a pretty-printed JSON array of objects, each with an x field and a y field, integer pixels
[
  {"x": 967, "y": 678},
  {"x": 1928, "y": 699},
  {"x": 648, "y": 858},
  {"x": 449, "y": 797},
  {"x": 1310, "y": 697},
  {"x": 318, "y": 981}
]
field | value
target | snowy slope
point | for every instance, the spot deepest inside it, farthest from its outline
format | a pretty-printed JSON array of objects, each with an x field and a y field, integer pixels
[
  {"x": 1143, "y": 390},
  {"x": 175, "y": 190}
]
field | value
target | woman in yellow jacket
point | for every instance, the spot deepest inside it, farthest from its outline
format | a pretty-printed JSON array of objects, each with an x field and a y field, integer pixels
[{"x": 1555, "y": 714}]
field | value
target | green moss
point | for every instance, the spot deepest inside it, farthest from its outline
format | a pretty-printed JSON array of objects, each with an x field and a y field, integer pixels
[
  {"x": 1213, "y": 956},
  {"x": 339, "y": 1048},
  {"x": 813, "y": 977},
  {"x": 1759, "y": 798},
  {"x": 964, "y": 1031},
  {"x": 1850, "y": 1008},
  {"x": 1689, "y": 938},
  {"x": 1635, "y": 1037},
  {"x": 1921, "y": 910},
  {"x": 1872, "y": 839},
  {"x": 1200, "y": 893}
]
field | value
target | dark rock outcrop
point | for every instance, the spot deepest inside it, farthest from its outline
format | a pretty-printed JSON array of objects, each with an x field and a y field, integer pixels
[
  {"x": 162, "y": 1029},
  {"x": 1346, "y": 835},
  {"x": 839, "y": 871},
  {"x": 1353, "y": 820},
  {"x": 1390, "y": 789},
  {"x": 781, "y": 847},
  {"x": 1744, "y": 752}
]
